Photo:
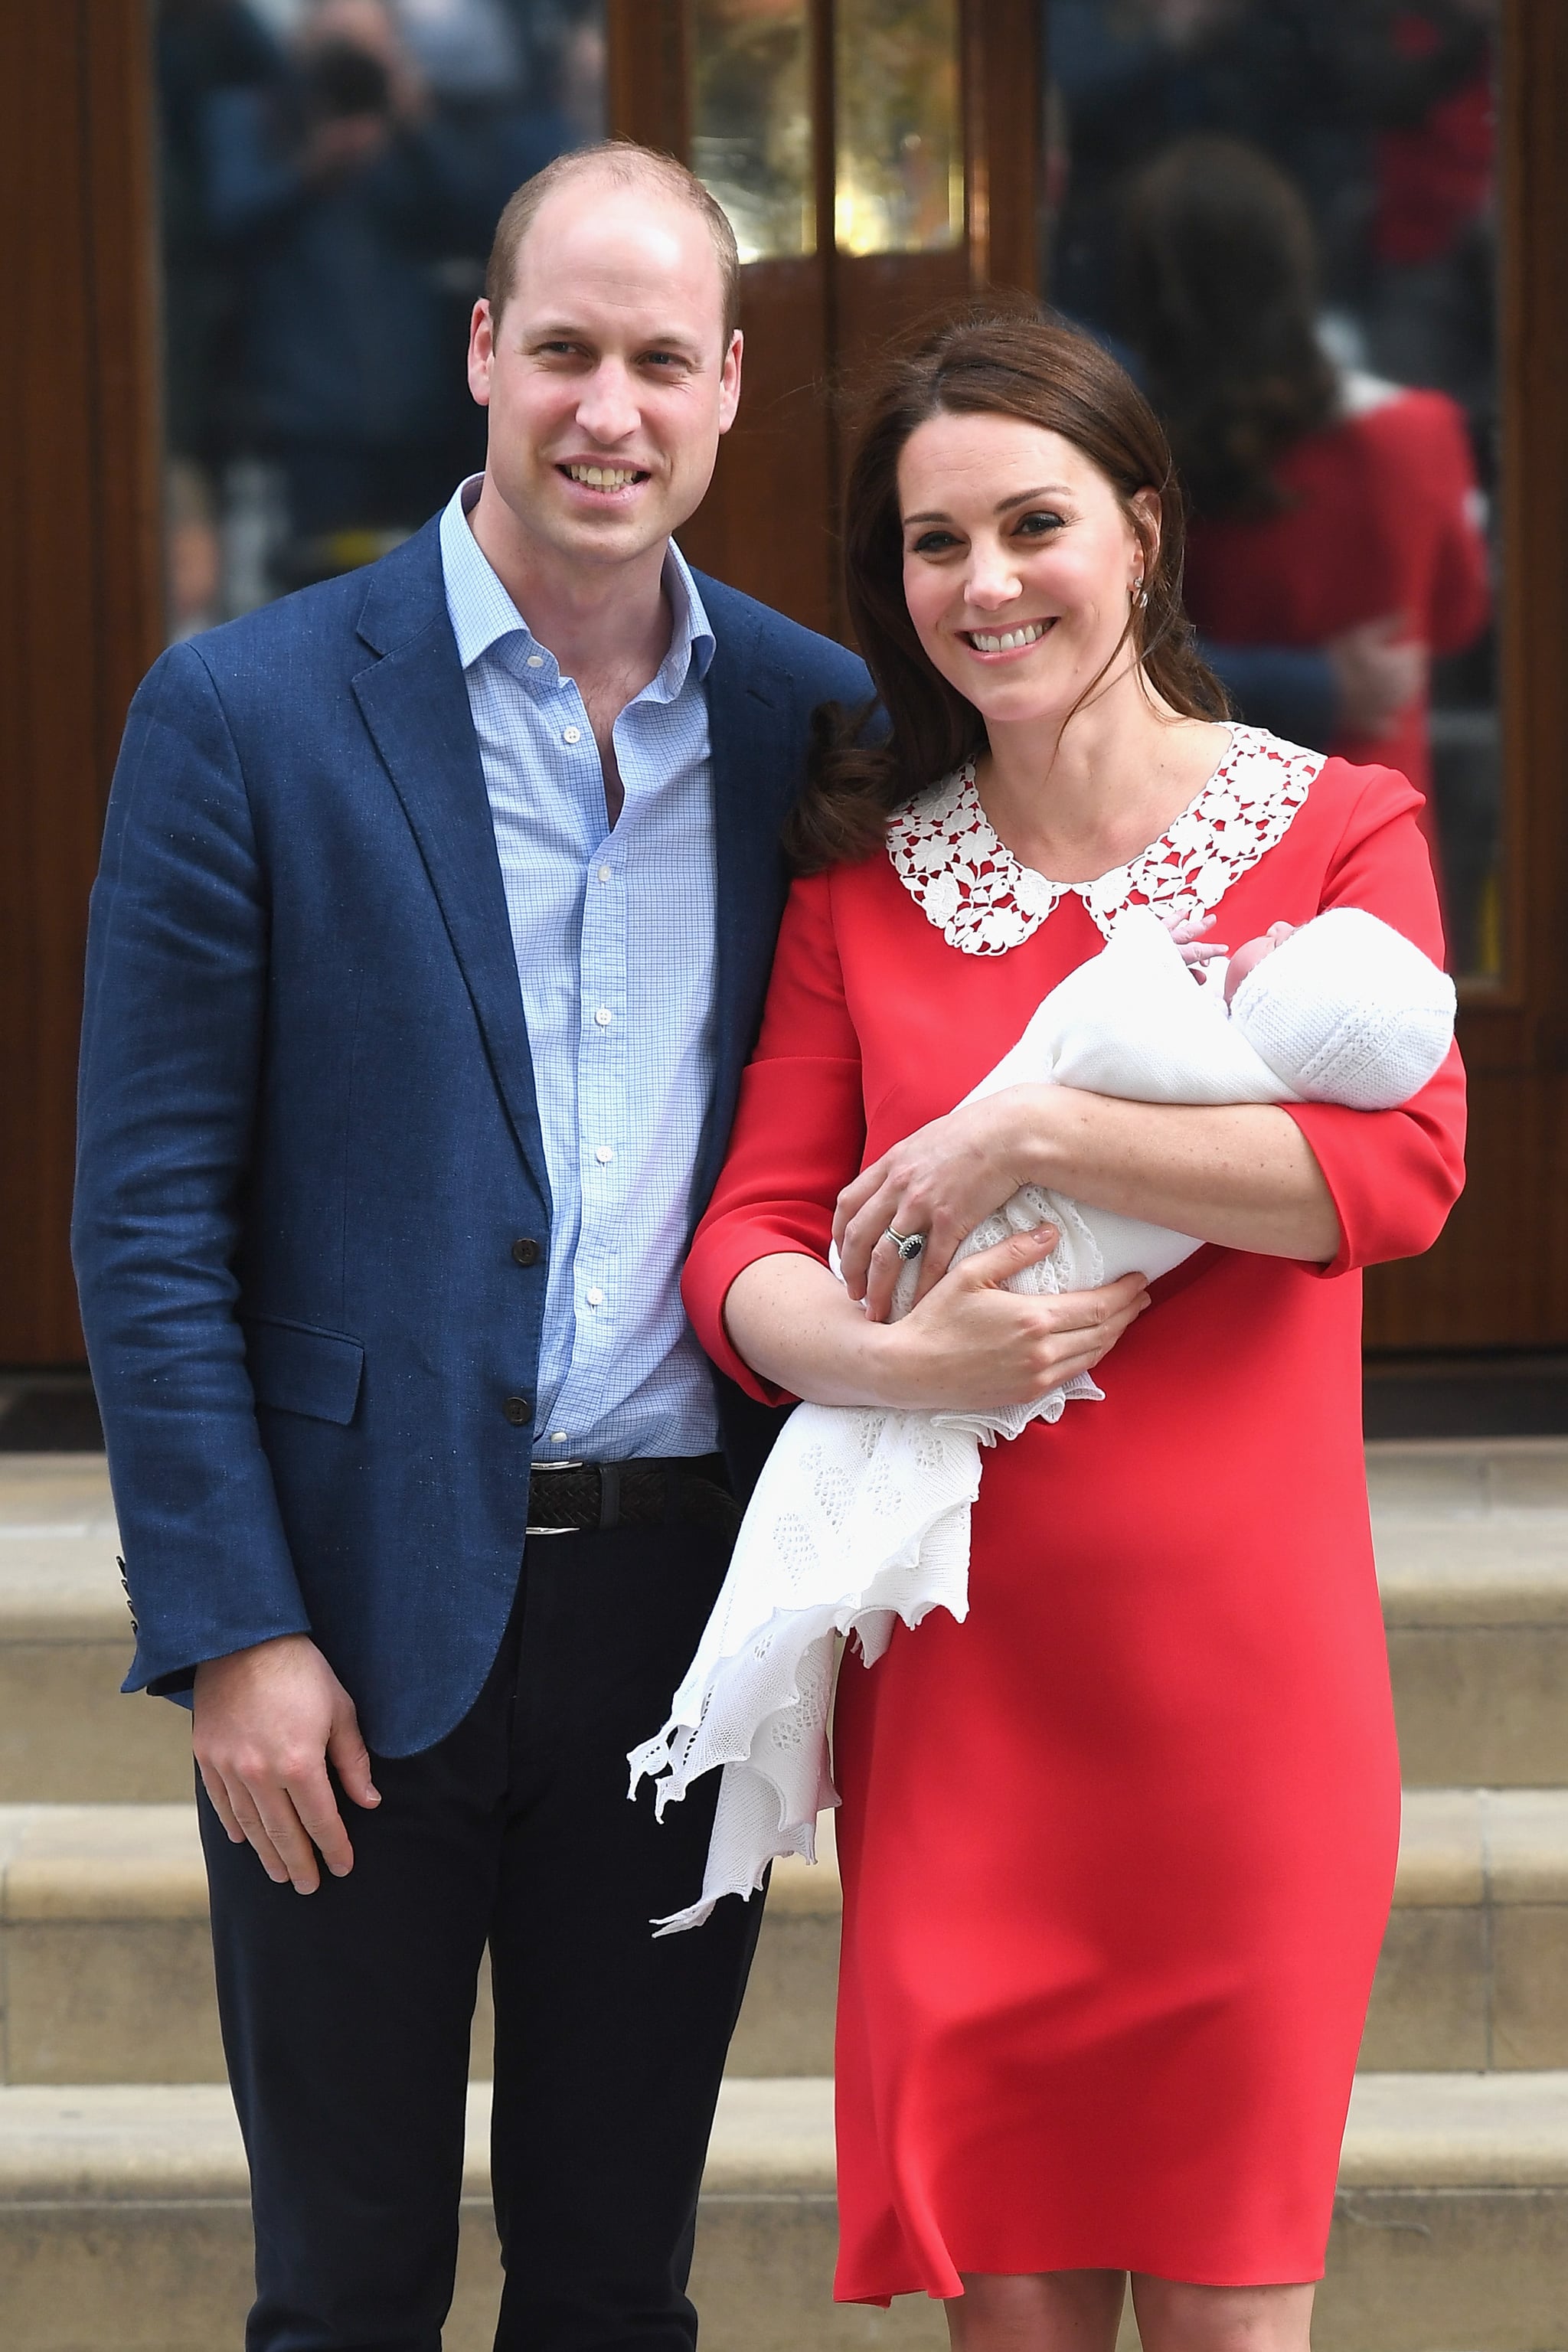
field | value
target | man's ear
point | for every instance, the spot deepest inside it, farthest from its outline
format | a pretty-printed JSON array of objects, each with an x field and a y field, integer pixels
[
  {"x": 729, "y": 382},
  {"x": 481, "y": 351}
]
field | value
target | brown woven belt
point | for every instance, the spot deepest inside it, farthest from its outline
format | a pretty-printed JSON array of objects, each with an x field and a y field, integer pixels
[{"x": 574, "y": 1498}]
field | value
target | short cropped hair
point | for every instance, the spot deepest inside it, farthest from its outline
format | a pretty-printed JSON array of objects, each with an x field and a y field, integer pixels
[{"x": 625, "y": 164}]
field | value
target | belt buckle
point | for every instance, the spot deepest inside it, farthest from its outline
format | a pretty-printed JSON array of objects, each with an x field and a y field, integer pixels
[{"x": 543, "y": 1469}]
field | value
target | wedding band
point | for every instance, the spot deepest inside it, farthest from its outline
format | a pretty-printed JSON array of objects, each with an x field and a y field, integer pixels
[{"x": 907, "y": 1245}]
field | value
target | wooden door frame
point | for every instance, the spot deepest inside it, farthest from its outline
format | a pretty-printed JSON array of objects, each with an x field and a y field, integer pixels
[
  {"x": 81, "y": 606},
  {"x": 1499, "y": 1277}
]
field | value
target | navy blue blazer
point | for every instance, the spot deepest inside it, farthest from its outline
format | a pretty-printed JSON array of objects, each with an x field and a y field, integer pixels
[{"x": 309, "y": 1137}]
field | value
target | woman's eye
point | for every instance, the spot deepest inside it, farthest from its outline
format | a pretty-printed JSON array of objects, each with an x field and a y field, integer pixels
[
  {"x": 934, "y": 542},
  {"x": 1040, "y": 524}
]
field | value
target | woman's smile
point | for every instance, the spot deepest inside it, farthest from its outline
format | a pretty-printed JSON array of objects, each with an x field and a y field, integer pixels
[{"x": 1006, "y": 645}]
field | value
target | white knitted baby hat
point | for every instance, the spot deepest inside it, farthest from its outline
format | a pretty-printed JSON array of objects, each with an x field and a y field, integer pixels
[{"x": 1347, "y": 1010}]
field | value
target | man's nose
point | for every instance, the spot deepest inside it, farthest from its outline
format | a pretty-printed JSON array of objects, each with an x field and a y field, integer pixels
[{"x": 607, "y": 409}]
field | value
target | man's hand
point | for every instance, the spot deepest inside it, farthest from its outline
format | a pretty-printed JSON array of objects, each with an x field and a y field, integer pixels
[{"x": 269, "y": 1720}]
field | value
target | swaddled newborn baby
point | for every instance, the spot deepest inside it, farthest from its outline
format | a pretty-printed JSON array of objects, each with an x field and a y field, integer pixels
[
  {"x": 862, "y": 1516},
  {"x": 1341, "y": 1009}
]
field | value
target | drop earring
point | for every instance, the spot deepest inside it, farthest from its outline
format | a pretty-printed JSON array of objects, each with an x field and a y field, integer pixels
[{"x": 1140, "y": 596}]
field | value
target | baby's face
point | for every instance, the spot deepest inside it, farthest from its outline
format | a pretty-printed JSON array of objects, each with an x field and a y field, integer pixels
[{"x": 1250, "y": 954}]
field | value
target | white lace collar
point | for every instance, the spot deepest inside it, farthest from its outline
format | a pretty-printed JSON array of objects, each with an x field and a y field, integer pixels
[{"x": 984, "y": 901}]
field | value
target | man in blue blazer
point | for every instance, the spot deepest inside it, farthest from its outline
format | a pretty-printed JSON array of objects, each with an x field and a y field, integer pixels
[{"x": 436, "y": 912}]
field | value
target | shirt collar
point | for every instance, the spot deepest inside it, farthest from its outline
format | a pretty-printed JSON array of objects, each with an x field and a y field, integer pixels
[{"x": 482, "y": 614}]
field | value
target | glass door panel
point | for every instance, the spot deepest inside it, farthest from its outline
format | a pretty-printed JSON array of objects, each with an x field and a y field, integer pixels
[
  {"x": 751, "y": 121},
  {"x": 330, "y": 176},
  {"x": 1284, "y": 215},
  {"x": 898, "y": 144}
]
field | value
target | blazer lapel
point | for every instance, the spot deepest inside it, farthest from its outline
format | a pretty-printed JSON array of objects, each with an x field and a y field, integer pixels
[{"x": 416, "y": 707}]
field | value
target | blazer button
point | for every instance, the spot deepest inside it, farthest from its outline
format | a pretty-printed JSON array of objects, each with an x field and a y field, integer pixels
[
  {"x": 519, "y": 1411},
  {"x": 526, "y": 1252}
]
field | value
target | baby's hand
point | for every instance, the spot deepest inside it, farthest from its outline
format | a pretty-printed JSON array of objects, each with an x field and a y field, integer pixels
[{"x": 1187, "y": 933}]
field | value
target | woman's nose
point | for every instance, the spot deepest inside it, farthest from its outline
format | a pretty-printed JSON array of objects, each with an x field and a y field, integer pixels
[{"x": 992, "y": 580}]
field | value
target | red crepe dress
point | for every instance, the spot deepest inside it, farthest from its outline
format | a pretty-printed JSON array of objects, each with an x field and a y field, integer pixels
[
  {"x": 1384, "y": 515},
  {"x": 1117, "y": 1851}
]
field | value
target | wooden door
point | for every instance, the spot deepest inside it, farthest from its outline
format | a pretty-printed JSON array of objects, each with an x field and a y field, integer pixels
[{"x": 80, "y": 446}]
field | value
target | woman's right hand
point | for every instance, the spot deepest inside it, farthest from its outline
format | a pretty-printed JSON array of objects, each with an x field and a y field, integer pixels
[{"x": 973, "y": 1345}]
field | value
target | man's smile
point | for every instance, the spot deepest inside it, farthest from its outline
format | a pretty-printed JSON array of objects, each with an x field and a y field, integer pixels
[{"x": 606, "y": 481}]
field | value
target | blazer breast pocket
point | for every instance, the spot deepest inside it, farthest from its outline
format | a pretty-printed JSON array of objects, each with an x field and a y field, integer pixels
[{"x": 294, "y": 1368}]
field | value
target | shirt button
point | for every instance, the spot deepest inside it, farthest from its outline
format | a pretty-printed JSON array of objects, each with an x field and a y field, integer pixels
[
  {"x": 519, "y": 1411},
  {"x": 605, "y": 873},
  {"x": 596, "y": 1297},
  {"x": 558, "y": 1437},
  {"x": 571, "y": 734},
  {"x": 604, "y": 1017},
  {"x": 604, "y": 1153},
  {"x": 536, "y": 661},
  {"x": 526, "y": 1252}
]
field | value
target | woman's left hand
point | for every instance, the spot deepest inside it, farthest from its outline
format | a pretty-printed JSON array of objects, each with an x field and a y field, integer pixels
[{"x": 939, "y": 1183}]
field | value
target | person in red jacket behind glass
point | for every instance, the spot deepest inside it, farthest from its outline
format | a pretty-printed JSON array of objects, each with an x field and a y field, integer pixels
[{"x": 1324, "y": 499}]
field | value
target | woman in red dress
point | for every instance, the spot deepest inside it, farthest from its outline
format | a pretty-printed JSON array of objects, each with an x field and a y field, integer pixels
[
  {"x": 1116, "y": 1851},
  {"x": 1325, "y": 500}
]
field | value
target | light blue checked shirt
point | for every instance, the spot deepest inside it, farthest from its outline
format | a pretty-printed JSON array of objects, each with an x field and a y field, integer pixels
[{"x": 615, "y": 936}]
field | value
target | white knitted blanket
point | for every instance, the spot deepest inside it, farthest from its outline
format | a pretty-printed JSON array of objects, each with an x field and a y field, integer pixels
[{"x": 861, "y": 1516}]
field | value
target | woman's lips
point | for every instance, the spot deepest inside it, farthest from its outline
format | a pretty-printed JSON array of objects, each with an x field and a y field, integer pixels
[{"x": 1003, "y": 645}]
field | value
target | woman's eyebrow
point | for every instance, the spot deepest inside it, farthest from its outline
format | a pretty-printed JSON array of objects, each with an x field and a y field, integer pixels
[
  {"x": 1022, "y": 497},
  {"x": 1019, "y": 498}
]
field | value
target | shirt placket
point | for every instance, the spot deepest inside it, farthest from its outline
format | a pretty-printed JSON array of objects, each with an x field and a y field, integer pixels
[{"x": 606, "y": 1156}]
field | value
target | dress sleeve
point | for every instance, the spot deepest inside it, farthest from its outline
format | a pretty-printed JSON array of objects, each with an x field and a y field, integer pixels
[
  {"x": 799, "y": 1132},
  {"x": 1394, "y": 1174}
]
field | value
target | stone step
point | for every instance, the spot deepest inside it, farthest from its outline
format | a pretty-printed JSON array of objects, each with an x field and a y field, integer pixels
[
  {"x": 123, "y": 2221},
  {"x": 1472, "y": 1562},
  {"x": 106, "y": 1971},
  {"x": 1472, "y": 1553},
  {"x": 66, "y": 1734}
]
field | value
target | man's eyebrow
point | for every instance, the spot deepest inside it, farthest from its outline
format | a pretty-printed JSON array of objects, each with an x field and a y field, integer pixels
[
  {"x": 1019, "y": 498},
  {"x": 564, "y": 330}
]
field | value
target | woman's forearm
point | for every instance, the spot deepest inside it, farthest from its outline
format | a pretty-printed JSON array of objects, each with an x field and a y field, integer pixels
[
  {"x": 1241, "y": 1175},
  {"x": 973, "y": 1345},
  {"x": 792, "y": 1322}
]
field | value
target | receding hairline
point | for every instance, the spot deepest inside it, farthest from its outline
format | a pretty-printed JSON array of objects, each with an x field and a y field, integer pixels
[{"x": 623, "y": 164}]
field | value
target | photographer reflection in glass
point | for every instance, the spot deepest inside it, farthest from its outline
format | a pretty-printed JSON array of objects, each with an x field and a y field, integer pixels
[{"x": 336, "y": 191}]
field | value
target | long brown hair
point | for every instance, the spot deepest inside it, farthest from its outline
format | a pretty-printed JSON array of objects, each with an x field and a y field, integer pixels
[
  {"x": 1000, "y": 364},
  {"x": 1220, "y": 270}
]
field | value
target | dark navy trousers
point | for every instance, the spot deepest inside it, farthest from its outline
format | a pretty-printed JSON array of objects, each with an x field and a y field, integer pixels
[{"x": 346, "y": 2013}]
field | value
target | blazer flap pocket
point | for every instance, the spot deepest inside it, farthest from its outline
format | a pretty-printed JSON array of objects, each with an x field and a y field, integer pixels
[{"x": 297, "y": 1369}]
